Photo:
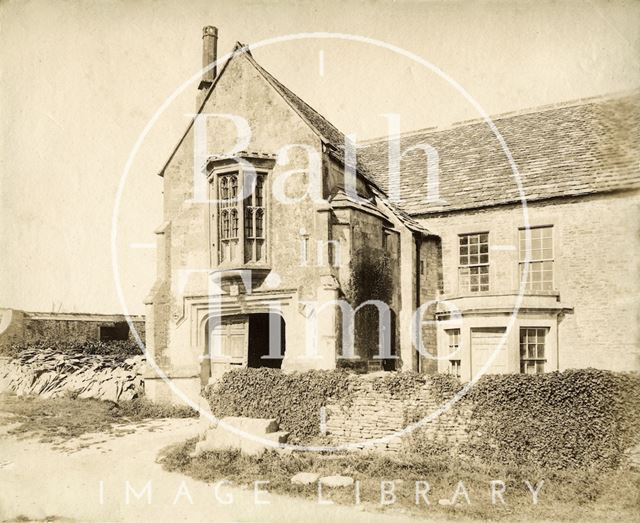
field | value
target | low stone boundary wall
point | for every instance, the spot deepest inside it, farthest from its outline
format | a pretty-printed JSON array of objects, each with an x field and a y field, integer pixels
[
  {"x": 373, "y": 411},
  {"x": 49, "y": 374},
  {"x": 24, "y": 327}
]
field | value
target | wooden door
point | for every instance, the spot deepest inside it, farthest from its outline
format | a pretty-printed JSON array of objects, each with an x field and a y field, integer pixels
[
  {"x": 484, "y": 341},
  {"x": 232, "y": 335}
]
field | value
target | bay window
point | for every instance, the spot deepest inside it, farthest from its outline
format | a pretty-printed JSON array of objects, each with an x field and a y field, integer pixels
[{"x": 239, "y": 224}]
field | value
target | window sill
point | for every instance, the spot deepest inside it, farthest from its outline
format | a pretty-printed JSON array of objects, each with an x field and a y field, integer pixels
[
  {"x": 232, "y": 270},
  {"x": 488, "y": 294},
  {"x": 502, "y": 303}
]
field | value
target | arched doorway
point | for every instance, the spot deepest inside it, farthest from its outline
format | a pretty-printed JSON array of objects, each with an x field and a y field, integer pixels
[
  {"x": 266, "y": 340},
  {"x": 249, "y": 340}
]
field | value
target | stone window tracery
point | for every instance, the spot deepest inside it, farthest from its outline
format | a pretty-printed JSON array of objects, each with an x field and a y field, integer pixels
[{"x": 241, "y": 224}]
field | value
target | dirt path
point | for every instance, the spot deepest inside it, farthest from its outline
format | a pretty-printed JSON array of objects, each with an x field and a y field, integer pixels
[{"x": 37, "y": 482}]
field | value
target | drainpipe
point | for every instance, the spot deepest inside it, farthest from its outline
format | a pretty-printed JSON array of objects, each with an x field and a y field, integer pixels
[{"x": 418, "y": 239}]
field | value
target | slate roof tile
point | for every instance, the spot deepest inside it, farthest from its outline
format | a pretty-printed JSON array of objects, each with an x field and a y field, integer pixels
[
  {"x": 572, "y": 150},
  {"x": 563, "y": 151}
]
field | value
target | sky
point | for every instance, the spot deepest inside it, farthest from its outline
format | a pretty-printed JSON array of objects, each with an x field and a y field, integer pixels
[{"x": 79, "y": 82}]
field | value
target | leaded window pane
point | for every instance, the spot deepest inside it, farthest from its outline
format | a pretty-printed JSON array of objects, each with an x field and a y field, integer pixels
[
  {"x": 248, "y": 222},
  {"x": 234, "y": 187},
  {"x": 259, "y": 223},
  {"x": 234, "y": 223},
  {"x": 259, "y": 191},
  {"x": 225, "y": 224}
]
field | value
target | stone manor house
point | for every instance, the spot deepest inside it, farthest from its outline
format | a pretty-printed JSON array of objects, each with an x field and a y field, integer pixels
[{"x": 293, "y": 228}]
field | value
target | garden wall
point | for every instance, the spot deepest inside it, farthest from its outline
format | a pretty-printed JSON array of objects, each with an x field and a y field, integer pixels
[
  {"x": 379, "y": 406},
  {"x": 338, "y": 407},
  {"x": 559, "y": 420}
]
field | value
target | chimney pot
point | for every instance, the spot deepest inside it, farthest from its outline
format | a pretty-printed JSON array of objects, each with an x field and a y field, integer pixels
[{"x": 209, "y": 55}]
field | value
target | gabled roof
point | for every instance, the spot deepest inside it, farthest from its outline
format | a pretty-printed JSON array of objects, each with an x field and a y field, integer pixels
[
  {"x": 326, "y": 131},
  {"x": 238, "y": 49},
  {"x": 585, "y": 148},
  {"x": 572, "y": 150}
]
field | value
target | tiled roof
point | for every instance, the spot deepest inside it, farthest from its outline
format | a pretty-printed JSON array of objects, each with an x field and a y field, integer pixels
[
  {"x": 323, "y": 126},
  {"x": 563, "y": 151},
  {"x": 329, "y": 132},
  {"x": 571, "y": 150},
  {"x": 404, "y": 217},
  {"x": 341, "y": 197},
  {"x": 336, "y": 139},
  {"x": 584, "y": 148}
]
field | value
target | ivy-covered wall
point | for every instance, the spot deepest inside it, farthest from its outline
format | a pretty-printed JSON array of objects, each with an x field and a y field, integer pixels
[
  {"x": 372, "y": 278},
  {"x": 575, "y": 418},
  {"x": 293, "y": 399},
  {"x": 572, "y": 419}
]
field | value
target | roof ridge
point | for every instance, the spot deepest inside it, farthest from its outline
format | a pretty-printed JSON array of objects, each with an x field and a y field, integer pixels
[
  {"x": 240, "y": 48},
  {"x": 290, "y": 94},
  {"x": 603, "y": 98},
  {"x": 566, "y": 104}
]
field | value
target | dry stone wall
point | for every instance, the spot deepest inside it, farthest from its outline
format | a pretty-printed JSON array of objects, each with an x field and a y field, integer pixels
[
  {"x": 374, "y": 411},
  {"x": 49, "y": 374}
]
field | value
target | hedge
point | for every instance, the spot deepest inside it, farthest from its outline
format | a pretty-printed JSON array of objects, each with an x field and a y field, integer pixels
[
  {"x": 404, "y": 385},
  {"x": 293, "y": 399},
  {"x": 571, "y": 419}
]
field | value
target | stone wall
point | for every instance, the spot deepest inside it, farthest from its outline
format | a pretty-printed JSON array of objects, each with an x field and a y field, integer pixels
[
  {"x": 376, "y": 412},
  {"x": 38, "y": 372},
  {"x": 430, "y": 274},
  {"x": 28, "y": 327},
  {"x": 592, "y": 311}
]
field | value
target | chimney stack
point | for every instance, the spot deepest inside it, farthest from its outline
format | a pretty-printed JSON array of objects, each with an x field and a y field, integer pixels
[{"x": 209, "y": 55}]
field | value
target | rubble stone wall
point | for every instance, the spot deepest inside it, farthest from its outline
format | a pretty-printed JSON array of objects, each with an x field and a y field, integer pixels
[
  {"x": 376, "y": 412},
  {"x": 49, "y": 374}
]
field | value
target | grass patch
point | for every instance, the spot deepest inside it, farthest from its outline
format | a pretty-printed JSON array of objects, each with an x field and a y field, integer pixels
[
  {"x": 565, "y": 495},
  {"x": 65, "y": 418}
]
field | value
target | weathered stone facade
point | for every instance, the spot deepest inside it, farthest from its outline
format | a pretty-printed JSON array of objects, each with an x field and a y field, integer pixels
[
  {"x": 318, "y": 226},
  {"x": 311, "y": 246},
  {"x": 591, "y": 313}
]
